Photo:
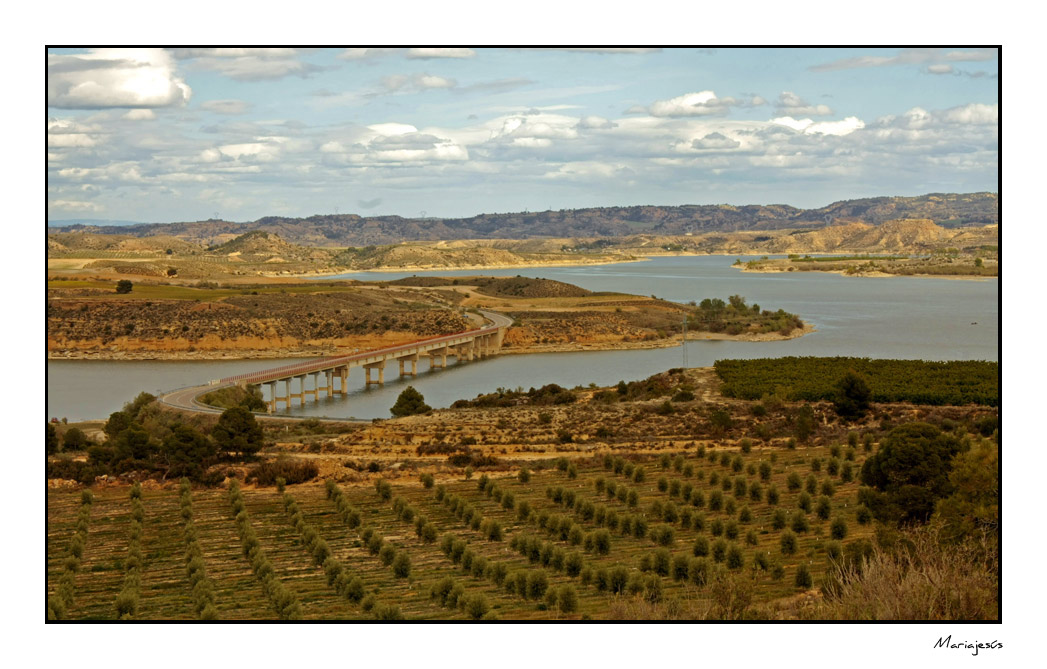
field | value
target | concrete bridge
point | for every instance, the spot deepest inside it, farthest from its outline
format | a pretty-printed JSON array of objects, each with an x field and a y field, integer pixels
[{"x": 468, "y": 345}]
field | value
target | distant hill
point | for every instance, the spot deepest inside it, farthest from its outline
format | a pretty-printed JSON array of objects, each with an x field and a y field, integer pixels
[{"x": 949, "y": 210}]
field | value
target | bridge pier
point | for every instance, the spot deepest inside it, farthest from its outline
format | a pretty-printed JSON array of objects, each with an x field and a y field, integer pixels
[
  {"x": 316, "y": 386},
  {"x": 380, "y": 366},
  {"x": 270, "y": 406},
  {"x": 343, "y": 374},
  {"x": 442, "y": 354},
  {"x": 413, "y": 359},
  {"x": 330, "y": 382}
]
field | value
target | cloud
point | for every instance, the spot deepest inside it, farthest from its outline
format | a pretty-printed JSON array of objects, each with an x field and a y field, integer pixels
[
  {"x": 140, "y": 115},
  {"x": 791, "y": 104},
  {"x": 74, "y": 205},
  {"x": 940, "y": 68},
  {"x": 809, "y": 127},
  {"x": 973, "y": 114},
  {"x": 595, "y": 123},
  {"x": 106, "y": 78},
  {"x": 66, "y": 133},
  {"x": 715, "y": 140},
  {"x": 440, "y": 53},
  {"x": 908, "y": 57},
  {"x": 704, "y": 103},
  {"x": 495, "y": 86},
  {"x": 415, "y": 83},
  {"x": 369, "y": 204},
  {"x": 227, "y": 107},
  {"x": 607, "y": 50},
  {"x": 249, "y": 64}
]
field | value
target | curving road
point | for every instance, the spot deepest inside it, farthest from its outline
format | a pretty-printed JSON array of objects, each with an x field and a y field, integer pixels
[{"x": 186, "y": 398}]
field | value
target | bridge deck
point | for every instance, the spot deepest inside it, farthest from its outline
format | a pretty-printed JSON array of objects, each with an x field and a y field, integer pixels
[{"x": 367, "y": 357}]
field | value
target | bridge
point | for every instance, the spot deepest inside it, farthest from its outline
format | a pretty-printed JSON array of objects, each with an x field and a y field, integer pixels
[{"x": 467, "y": 345}]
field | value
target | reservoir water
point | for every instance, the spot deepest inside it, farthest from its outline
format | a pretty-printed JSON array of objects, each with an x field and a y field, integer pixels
[{"x": 892, "y": 317}]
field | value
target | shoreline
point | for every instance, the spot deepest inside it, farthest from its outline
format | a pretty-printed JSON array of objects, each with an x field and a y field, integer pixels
[
  {"x": 463, "y": 268},
  {"x": 574, "y": 347},
  {"x": 869, "y": 275}
]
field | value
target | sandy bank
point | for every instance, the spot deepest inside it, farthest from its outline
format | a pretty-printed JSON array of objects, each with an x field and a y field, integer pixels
[{"x": 263, "y": 354}]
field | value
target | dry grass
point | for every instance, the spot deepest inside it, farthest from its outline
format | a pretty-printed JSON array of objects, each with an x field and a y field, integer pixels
[{"x": 921, "y": 579}]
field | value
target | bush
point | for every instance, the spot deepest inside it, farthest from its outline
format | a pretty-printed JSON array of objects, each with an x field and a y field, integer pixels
[
  {"x": 291, "y": 470},
  {"x": 838, "y": 529},
  {"x": 476, "y": 606},
  {"x": 772, "y": 496},
  {"x": 427, "y": 481},
  {"x": 701, "y": 547},
  {"x": 402, "y": 564},
  {"x": 719, "y": 550},
  {"x": 524, "y": 475},
  {"x": 803, "y": 577},
  {"x": 824, "y": 507},
  {"x": 661, "y": 562},
  {"x": 735, "y": 558},
  {"x": 788, "y": 542}
]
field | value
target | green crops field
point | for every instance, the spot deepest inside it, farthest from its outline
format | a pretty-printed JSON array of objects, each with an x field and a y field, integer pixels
[
  {"x": 591, "y": 545},
  {"x": 814, "y": 379}
]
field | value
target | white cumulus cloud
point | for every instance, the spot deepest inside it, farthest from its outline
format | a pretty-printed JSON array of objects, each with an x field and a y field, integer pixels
[
  {"x": 702, "y": 103},
  {"x": 105, "y": 78},
  {"x": 440, "y": 53},
  {"x": 791, "y": 104}
]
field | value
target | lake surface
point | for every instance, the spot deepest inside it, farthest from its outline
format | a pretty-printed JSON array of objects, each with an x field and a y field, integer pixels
[{"x": 894, "y": 317}]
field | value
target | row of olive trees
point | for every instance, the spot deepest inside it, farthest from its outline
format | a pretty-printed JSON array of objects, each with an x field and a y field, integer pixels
[
  {"x": 202, "y": 589},
  {"x": 339, "y": 577},
  {"x": 131, "y": 590},
  {"x": 452, "y": 596},
  {"x": 59, "y": 603},
  {"x": 283, "y": 601},
  {"x": 470, "y": 516}
]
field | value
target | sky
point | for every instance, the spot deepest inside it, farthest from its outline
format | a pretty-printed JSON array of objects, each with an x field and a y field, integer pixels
[{"x": 159, "y": 135}]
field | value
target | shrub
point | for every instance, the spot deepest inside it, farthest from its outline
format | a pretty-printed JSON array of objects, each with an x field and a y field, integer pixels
[
  {"x": 788, "y": 542},
  {"x": 803, "y": 577},
  {"x": 862, "y": 515},
  {"x": 701, "y": 547},
  {"x": 772, "y": 496},
  {"x": 537, "y": 584},
  {"x": 291, "y": 470},
  {"x": 567, "y": 599},
  {"x": 838, "y": 528},
  {"x": 799, "y": 522},
  {"x": 804, "y": 502},
  {"x": 476, "y": 606},
  {"x": 735, "y": 558},
  {"x": 824, "y": 507},
  {"x": 661, "y": 562},
  {"x": 663, "y": 484},
  {"x": 792, "y": 482},
  {"x": 719, "y": 550},
  {"x": 402, "y": 564},
  {"x": 524, "y": 475},
  {"x": 698, "y": 571},
  {"x": 427, "y": 481}
]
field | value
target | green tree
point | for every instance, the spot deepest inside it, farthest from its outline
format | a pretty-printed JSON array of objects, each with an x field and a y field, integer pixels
[
  {"x": 238, "y": 431},
  {"x": 51, "y": 445},
  {"x": 123, "y": 286},
  {"x": 409, "y": 403},
  {"x": 804, "y": 423},
  {"x": 975, "y": 501},
  {"x": 188, "y": 451},
  {"x": 74, "y": 439},
  {"x": 909, "y": 473},
  {"x": 852, "y": 397}
]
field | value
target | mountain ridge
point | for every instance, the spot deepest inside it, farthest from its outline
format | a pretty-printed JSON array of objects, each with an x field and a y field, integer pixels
[{"x": 948, "y": 210}]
